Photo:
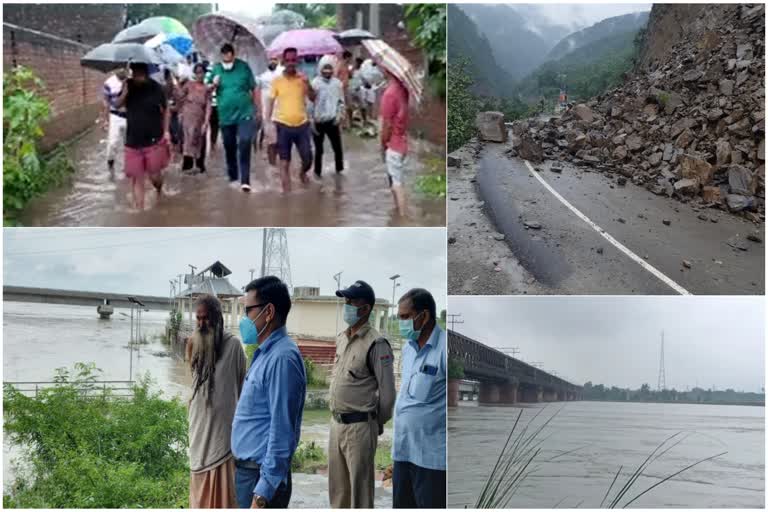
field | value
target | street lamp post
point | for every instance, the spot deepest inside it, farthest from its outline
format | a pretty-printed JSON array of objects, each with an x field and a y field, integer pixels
[
  {"x": 395, "y": 284},
  {"x": 337, "y": 278}
]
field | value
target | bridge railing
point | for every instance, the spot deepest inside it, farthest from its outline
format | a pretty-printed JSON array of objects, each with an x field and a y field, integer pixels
[{"x": 116, "y": 388}]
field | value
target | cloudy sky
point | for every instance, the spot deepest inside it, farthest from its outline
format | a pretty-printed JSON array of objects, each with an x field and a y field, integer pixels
[
  {"x": 709, "y": 341},
  {"x": 142, "y": 261},
  {"x": 578, "y": 15}
]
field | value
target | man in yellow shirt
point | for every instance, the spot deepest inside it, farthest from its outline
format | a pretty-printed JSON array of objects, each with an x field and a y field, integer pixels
[{"x": 290, "y": 92}]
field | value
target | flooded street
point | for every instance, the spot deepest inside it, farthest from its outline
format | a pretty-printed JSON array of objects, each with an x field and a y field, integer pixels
[
  {"x": 357, "y": 197},
  {"x": 38, "y": 338},
  {"x": 610, "y": 435}
]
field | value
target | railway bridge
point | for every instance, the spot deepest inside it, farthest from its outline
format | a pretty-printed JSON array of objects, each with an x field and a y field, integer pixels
[{"x": 502, "y": 379}]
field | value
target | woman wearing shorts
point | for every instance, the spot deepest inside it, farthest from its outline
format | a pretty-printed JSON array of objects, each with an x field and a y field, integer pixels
[{"x": 147, "y": 137}]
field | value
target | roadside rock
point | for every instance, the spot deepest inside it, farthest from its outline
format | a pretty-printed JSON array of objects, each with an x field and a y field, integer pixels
[
  {"x": 529, "y": 149},
  {"x": 491, "y": 126}
]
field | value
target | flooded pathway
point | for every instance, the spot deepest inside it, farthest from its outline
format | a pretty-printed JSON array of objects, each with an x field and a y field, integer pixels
[
  {"x": 35, "y": 344},
  {"x": 357, "y": 197}
]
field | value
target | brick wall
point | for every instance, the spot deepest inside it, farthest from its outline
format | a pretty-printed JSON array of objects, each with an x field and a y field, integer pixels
[
  {"x": 91, "y": 24},
  {"x": 73, "y": 91},
  {"x": 429, "y": 123}
]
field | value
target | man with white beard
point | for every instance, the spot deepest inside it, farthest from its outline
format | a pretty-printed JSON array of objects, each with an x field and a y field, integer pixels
[{"x": 217, "y": 362}]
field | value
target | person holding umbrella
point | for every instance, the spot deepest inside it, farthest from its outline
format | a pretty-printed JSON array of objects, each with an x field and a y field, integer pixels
[
  {"x": 234, "y": 84},
  {"x": 147, "y": 136},
  {"x": 291, "y": 122}
]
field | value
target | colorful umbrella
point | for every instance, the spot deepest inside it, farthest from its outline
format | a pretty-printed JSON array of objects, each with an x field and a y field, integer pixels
[
  {"x": 391, "y": 60},
  {"x": 182, "y": 44},
  {"x": 308, "y": 41},
  {"x": 211, "y": 31},
  {"x": 149, "y": 28},
  {"x": 110, "y": 56}
]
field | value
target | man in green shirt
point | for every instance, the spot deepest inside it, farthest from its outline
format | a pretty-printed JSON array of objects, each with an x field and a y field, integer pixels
[{"x": 234, "y": 85}]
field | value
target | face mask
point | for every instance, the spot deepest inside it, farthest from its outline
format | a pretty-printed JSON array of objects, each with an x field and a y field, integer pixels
[
  {"x": 407, "y": 331},
  {"x": 272, "y": 66},
  {"x": 350, "y": 314},
  {"x": 248, "y": 330},
  {"x": 228, "y": 65}
]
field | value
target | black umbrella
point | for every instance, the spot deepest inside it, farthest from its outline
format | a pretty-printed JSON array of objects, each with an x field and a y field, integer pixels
[
  {"x": 353, "y": 36},
  {"x": 109, "y": 56}
]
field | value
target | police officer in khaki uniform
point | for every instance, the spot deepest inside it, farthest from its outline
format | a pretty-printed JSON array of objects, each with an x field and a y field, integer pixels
[{"x": 361, "y": 399}]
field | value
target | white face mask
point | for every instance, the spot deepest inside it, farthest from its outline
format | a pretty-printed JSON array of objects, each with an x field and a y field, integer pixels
[{"x": 228, "y": 65}]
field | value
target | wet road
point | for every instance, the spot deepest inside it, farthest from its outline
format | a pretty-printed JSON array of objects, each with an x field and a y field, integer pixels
[
  {"x": 358, "y": 197},
  {"x": 609, "y": 435},
  {"x": 35, "y": 344},
  {"x": 565, "y": 255}
]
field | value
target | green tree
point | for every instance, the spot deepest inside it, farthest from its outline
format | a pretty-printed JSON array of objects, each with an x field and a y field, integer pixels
[
  {"x": 462, "y": 105},
  {"x": 426, "y": 23},
  {"x": 185, "y": 13},
  {"x": 316, "y": 15}
]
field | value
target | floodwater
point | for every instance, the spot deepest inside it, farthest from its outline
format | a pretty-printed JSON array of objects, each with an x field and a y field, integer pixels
[
  {"x": 607, "y": 435},
  {"x": 38, "y": 338},
  {"x": 359, "y": 196}
]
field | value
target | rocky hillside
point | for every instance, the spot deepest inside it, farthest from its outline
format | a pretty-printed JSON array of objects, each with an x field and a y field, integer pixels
[{"x": 688, "y": 123}]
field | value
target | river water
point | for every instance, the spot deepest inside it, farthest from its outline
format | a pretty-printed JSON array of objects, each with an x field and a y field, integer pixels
[
  {"x": 610, "y": 435},
  {"x": 357, "y": 197},
  {"x": 38, "y": 338}
]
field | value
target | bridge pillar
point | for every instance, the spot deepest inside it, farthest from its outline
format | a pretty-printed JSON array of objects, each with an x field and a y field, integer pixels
[
  {"x": 530, "y": 395},
  {"x": 489, "y": 393},
  {"x": 453, "y": 392},
  {"x": 540, "y": 395},
  {"x": 508, "y": 394}
]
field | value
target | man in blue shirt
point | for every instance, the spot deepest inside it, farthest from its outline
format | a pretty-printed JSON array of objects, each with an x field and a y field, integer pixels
[
  {"x": 418, "y": 451},
  {"x": 267, "y": 424}
]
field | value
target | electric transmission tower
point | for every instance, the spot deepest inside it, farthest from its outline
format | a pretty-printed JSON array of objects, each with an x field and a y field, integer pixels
[
  {"x": 274, "y": 255},
  {"x": 662, "y": 384}
]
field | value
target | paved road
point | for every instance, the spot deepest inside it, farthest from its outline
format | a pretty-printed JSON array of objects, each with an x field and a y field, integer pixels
[
  {"x": 569, "y": 256},
  {"x": 358, "y": 197}
]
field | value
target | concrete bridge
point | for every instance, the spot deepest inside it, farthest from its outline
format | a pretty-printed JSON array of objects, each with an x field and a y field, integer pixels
[
  {"x": 79, "y": 298},
  {"x": 502, "y": 379}
]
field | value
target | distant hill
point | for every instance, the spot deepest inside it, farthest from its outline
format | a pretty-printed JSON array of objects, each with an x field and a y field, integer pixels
[
  {"x": 519, "y": 39},
  {"x": 587, "y": 71},
  {"x": 608, "y": 27},
  {"x": 466, "y": 42}
]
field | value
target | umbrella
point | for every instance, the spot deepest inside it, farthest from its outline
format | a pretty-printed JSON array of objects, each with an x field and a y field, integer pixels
[
  {"x": 182, "y": 44},
  {"x": 308, "y": 41},
  {"x": 109, "y": 56},
  {"x": 149, "y": 28},
  {"x": 211, "y": 31},
  {"x": 353, "y": 36},
  {"x": 390, "y": 59}
]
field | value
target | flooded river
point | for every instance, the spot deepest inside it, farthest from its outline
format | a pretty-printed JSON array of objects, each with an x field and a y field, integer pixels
[
  {"x": 357, "y": 197},
  {"x": 38, "y": 338},
  {"x": 610, "y": 435}
]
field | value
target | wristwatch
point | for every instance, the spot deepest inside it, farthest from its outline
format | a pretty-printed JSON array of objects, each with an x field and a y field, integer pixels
[{"x": 261, "y": 501}]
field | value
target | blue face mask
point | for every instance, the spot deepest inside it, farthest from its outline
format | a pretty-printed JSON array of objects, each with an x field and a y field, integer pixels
[
  {"x": 407, "y": 331},
  {"x": 248, "y": 330},
  {"x": 350, "y": 314}
]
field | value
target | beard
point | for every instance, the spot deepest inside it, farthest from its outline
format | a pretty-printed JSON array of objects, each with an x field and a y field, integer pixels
[{"x": 202, "y": 356}]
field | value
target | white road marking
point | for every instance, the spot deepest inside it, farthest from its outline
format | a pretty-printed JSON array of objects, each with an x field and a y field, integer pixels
[{"x": 640, "y": 261}]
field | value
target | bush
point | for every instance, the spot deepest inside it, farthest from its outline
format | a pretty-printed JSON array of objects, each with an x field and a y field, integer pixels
[
  {"x": 25, "y": 173},
  {"x": 315, "y": 377},
  {"x": 308, "y": 458},
  {"x": 426, "y": 24},
  {"x": 86, "y": 448},
  {"x": 455, "y": 368}
]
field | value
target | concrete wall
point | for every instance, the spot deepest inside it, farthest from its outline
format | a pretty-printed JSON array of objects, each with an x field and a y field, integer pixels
[
  {"x": 50, "y": 39},
  {"x": 383, "y": 20}
]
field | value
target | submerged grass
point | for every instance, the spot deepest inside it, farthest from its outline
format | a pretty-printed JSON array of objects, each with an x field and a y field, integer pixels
[{"x": 521, "y": 454}]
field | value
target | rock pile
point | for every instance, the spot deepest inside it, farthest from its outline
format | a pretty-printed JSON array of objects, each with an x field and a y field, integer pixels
[{"x": 690, "y": 125}]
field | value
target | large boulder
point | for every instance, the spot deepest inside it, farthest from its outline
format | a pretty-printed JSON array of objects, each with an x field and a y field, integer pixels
[
  {"x": 697, "y": 169},
  {"x": 741, "y": 180},
  {"x": 491, "y": 126},
  {"x": 530, "y": 150},
  {"x": 583, "y": 112}
]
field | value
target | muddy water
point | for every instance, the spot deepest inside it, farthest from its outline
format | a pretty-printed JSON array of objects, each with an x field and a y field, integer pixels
[
  {"x": 607, "y": 436},
  {"x": 38, "y": 338},
  {"x": 357, "y": 197}
]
